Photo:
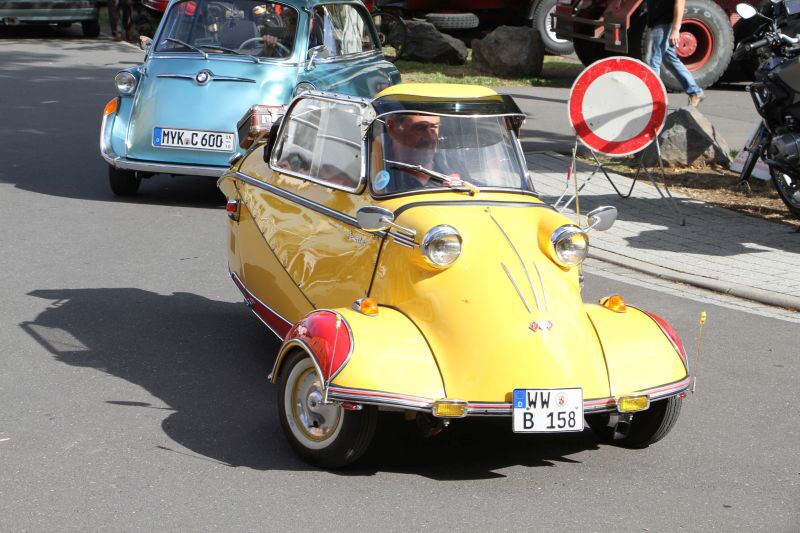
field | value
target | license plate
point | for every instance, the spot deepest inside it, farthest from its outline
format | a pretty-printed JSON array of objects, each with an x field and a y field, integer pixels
[
  {"x": 194, "y": 139},
  {"x": 547, "y": 410}
]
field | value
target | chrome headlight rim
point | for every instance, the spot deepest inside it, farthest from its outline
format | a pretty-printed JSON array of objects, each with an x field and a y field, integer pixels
[
  {"x": 562, "y": 234},
  {"x": 437, "y": 233},
  {"x": 125, "y": 83}
]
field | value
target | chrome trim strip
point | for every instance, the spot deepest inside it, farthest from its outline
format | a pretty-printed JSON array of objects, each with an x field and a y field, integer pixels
[
  {"x": 514, "y": 283},
  {"x": 380, "y": 398},
  {"x": 214, "y": 77},
  {"x": 219, "y": 57},
  {"x": 282, "y": 354},
  {"x": 243, "y": 288},
  {"x": 541, "y": 284},
  {"x": 524, "y": 268}
]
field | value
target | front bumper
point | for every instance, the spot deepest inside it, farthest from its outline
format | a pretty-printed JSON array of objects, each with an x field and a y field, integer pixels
[
  {"x": 414, "y": 403},
  {"x": 118, "y": 161}
]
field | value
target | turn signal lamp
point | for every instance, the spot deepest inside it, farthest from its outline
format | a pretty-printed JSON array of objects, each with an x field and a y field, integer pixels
[
  {"x": 111, "y": 107},
  {"x": 631, "y": 404},
  {"x": 367, "y": 306},
  {"x": 450, "y": 409},
  {"x": 615, "y": 302}
]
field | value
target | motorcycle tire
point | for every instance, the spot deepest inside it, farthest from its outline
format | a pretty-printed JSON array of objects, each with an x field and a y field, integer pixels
[{"x": 788, "y": 187}]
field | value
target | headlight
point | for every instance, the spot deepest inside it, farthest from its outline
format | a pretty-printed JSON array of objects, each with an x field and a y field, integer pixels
[
  {"x": 441, "y": 246},
  {"x": 302, "y": 87},
  {"x": 125, "y": 82},
  {"x": 570, "y": 245}
]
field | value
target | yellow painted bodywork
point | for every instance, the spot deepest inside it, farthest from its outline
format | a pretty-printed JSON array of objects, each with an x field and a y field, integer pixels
[
  {"x": 404, "y": 366},
  {"x": 440, "y": 90},
  {"x": 638, "y": 355}
]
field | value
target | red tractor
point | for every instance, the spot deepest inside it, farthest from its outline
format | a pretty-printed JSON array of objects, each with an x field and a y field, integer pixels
[{"x": 602, "y": 28}]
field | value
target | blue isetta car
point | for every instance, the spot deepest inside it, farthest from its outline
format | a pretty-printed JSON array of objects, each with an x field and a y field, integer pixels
[{"x": 216, "y": 65}]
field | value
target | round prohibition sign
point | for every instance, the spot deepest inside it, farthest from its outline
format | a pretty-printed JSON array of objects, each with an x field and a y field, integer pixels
[{"x": 617, "y": 106}]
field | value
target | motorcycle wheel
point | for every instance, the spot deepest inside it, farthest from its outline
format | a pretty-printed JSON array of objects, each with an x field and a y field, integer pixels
[{"x": 788, "y": 186}]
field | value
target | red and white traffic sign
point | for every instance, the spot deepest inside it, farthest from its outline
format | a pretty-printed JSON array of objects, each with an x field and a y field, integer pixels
[{"x": 617, "y": 106}]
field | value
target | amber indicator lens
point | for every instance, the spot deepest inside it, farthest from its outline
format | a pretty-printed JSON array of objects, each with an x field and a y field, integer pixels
[
  {"x": 449, "y": 409},
  {"x": 111, "y": 107},
  {"x": 615, "y": 302},
  {"x": 368, "y": 306},
  {"x": 629, "y": 404}
]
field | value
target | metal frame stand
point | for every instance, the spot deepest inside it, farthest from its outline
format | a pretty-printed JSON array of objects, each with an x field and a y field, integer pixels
[{"x": 640, "y": 169}]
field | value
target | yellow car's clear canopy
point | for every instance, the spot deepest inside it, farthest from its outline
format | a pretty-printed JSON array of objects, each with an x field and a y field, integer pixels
[{"x": 489, "y": 105}]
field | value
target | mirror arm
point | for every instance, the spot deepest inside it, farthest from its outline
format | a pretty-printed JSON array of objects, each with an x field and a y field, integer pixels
[{"x": 407, "y": 231}]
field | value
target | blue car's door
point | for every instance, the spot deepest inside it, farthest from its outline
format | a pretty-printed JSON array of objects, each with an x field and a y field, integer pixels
[{"x": 351, "y": 61}]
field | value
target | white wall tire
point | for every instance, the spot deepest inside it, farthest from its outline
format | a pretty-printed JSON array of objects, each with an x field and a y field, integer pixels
[{"x": 325, "y": 435}]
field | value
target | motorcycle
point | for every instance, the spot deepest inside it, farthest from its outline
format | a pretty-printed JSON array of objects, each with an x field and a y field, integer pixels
[{"x": 776, "y": 95}]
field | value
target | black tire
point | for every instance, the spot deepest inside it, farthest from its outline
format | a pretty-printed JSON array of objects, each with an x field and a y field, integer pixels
[
  {"x": 123, "y": 182},
  {"x": 541, "y": 21},
  {"x": 348, "y": 433},
  {"x": 589, "y": 52},
  {"x": 709, "y": 15},
  {"x": 647, "y": 427},
  {"x": 453, "y": 21},
  {"x": 788, "y": 186},
  {"x": 753, "y": 153},
  {"x": 91, "y": 28},
  {"x": 392, "y": 34}
]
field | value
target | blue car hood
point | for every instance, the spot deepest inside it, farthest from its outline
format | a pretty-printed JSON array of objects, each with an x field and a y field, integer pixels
[{"x": 169, "y": 97}]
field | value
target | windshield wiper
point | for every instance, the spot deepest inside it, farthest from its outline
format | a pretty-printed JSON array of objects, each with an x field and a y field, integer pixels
[
  {"x": 444, "y": 179},
  {"x": 229, "y": 51},
  {"x": 187, "y": 45}
]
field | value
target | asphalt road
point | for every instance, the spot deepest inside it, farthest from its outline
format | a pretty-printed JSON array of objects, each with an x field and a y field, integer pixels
[{"x": 133, "y": 391}]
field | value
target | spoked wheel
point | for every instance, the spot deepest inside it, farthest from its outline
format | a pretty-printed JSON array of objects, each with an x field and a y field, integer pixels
[
  {"x": 392, "y": 33},
  {"x": 788, "y": 186},
  {"x": 325, "y": 435},
  {"x": 646, "y": 427},
  {"x": 123, "y": 182}
]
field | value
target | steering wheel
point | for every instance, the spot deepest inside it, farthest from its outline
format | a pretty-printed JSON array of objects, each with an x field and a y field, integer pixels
[{"x": 253, "y": 40}]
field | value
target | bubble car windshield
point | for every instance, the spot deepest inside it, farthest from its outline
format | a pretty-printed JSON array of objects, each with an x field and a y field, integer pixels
[
  {"x": 413, "y": 151},
  {"x": 242, "y": 27}
]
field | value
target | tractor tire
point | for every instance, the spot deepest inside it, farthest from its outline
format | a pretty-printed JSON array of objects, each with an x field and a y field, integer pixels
[
  {"x": 453, "y": 21},
  {"x": 543, "y": 10},
  {"x": 589, "y": 52}
]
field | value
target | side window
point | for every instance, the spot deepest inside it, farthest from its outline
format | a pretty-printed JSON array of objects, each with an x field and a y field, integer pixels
[
  {"x": 343, "y": 29},
  {"x": 322, "y": 142}
]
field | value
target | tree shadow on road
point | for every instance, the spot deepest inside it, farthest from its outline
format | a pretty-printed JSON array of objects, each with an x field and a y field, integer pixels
[{"x": 208, "y": 362}]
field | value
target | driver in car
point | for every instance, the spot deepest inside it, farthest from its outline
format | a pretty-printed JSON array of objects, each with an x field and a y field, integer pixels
[
  {"x": 413, "y": 143},
  {"x": 278, "y": 40}
]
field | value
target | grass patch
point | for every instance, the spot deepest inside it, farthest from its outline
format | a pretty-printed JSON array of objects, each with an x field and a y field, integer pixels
[{"x": 556, "y": 73}]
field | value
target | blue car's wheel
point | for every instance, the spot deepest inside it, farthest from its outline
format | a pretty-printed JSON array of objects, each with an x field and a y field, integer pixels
[
  {"x": 123, "y": 182},
  {"x": 323, "y": 434}
]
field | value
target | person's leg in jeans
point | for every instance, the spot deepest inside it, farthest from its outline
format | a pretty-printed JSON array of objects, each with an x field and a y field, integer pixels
[
  {"x": 656, "y": 45},
  {"x": 674, "y": 63}
]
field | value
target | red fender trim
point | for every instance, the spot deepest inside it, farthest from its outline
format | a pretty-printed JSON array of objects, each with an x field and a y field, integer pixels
[
  {"x": 326, "y": 336},
  {"x": 275, "y": 322}
]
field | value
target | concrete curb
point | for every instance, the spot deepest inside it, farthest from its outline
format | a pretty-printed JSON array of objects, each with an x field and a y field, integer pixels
[{"x": 750, "y": 293}]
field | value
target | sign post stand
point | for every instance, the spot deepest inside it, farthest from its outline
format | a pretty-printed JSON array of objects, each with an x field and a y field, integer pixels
[{"x": 617, "y": 107}]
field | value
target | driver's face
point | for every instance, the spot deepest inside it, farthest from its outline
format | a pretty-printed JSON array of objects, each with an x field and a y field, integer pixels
[{"x": 416, "y": 131}]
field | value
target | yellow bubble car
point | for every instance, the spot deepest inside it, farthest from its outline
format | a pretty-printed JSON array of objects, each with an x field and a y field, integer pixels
[{"x": 399, "y": 250}]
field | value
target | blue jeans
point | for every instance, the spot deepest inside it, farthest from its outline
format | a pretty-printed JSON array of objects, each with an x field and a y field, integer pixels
[{"x": 659, "y": 50}]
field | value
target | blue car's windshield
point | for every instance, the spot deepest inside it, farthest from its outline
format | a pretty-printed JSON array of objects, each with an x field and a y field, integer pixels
[{"x": 241, "y": 27}]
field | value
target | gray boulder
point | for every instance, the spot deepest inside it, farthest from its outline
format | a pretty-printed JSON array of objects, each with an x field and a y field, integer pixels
[
  {"x": 509, "y": 51},
  {"x": 426, "y": 43},
  {"x": 688, "y": 138}
]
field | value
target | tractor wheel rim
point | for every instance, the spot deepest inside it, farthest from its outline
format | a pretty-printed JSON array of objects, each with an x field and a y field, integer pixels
[{"x": 696, "y": 43}]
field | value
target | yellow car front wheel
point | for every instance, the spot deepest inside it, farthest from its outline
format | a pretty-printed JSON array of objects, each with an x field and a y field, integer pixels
[{"x": 324, "y": 434}]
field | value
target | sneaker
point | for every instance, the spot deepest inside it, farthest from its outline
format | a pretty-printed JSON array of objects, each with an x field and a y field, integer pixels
[{"x": 695, "y": 99}]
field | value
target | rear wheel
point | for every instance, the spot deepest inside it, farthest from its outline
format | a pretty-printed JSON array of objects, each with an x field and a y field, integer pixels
[
  {"x": 91, "y": 28},
  {"x": 325, "y": 435},
  {"x": 123, "y": 182},
  {"x": 646, "y": 427},
  {"x": 788, "y": 186},
  {"x": 453, "y": 21},
  {"x": 543, "y": 15},
  {"x": 705, "y": 46}
]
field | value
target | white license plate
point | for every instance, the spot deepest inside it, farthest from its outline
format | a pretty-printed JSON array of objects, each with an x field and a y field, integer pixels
[
  {"x": 194, "y": 139},
  {"x": 547, "y": 410}
]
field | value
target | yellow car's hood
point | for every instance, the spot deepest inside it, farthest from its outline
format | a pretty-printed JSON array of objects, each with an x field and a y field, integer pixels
[{"x": 504, "y": 315}]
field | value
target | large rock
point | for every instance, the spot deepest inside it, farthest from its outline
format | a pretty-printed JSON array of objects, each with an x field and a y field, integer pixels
[
  {"x": 509, "y": 51},
  {"x": 688, "y": 138},
  {"x": 426, "y": 43}
]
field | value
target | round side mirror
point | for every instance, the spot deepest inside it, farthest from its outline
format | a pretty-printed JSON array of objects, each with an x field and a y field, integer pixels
[
  {"x": 746, "y": 11},
  {"x": 602, "y": 218},
  {"x": 373, "y": 218}
]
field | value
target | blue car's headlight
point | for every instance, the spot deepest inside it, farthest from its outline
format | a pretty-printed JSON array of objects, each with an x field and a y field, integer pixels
[{"x": 125, "y": 82}]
